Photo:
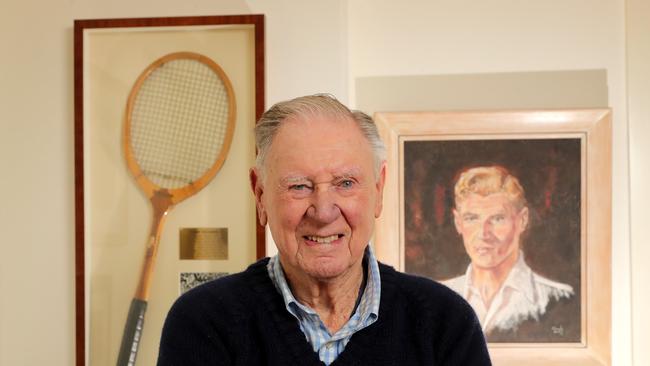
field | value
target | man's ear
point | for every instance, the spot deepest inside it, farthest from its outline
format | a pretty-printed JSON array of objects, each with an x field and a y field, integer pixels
[
  {"x": 381, "y": 180},
  {"x": 523, "y": 217},
  {"x": 457, "y": 220},
  {"x": 258, "y": 190}
]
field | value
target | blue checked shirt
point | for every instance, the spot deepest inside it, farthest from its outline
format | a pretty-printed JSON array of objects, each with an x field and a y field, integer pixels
[{"x": 329, "y": 346}]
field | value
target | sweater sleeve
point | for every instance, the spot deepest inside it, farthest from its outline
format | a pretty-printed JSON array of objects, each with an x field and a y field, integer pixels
[
  {"x": 444, "y": 326},
  {"x": 464, "y": 343},
  {"x": 189, "y": 339}
]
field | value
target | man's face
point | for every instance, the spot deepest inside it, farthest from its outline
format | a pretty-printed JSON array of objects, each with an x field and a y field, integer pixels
[
  {"x": 319, "y": 194},
  {"x": 491, "y": 228}
]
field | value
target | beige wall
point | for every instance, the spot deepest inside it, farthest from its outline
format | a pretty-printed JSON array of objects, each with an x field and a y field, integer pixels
[
  {"x": 638, "y": 81},
  {"x": 312, "y": 46}
]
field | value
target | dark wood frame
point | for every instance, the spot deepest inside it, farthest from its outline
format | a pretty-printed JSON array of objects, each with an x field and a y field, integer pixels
[{"x": 79, "y": 27}]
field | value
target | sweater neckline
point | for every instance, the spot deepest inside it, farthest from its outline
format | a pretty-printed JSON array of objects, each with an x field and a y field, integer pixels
[{"x": 287, "y": 327}]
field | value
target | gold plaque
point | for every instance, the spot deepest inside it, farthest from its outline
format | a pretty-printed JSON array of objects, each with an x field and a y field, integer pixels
[{"x": 204, "y": 243}]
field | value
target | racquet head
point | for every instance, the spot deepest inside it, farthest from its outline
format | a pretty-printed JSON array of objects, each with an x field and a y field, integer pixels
[{"x": 180, "y": 120}]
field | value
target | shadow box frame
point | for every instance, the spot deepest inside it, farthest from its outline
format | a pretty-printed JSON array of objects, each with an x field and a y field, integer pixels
[
  {"x": 593, "y": 128},
  {"x": 141, "y": 41}
]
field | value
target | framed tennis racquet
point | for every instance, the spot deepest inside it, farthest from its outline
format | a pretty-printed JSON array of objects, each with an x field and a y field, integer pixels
[{"x": 129, "y": 242}]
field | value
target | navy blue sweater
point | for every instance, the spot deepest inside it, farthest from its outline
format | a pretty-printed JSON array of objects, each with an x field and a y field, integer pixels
[{"x": 242, "y": 320}]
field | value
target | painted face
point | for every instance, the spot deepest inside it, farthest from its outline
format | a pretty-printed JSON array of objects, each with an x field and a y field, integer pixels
[
  {"x": 319, "y": 195},
  {"x": 491, "y": 229}
]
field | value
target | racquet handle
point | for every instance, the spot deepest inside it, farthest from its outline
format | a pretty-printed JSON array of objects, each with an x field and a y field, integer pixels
[{"x": 132, "y": 333}]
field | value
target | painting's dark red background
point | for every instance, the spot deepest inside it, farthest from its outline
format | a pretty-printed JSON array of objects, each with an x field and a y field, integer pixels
[{"x": 548, "y": 170}]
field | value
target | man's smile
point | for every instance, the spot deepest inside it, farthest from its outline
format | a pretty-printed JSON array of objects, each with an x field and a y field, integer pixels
[{"x": 323, "y": 239}]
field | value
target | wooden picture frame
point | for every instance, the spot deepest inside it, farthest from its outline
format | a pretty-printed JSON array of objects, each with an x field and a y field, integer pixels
[
  {"x": 563, "y": 160},
  {"x": 113, "y": 216}
]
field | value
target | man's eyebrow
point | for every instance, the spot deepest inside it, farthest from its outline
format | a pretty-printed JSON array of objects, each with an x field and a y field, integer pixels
[
  {"x": 292, "y": 179},
  {"x": 349, "y": 173}
]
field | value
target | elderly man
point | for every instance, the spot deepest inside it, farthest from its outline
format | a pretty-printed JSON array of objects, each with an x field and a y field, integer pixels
[
  {"x": 324, "y": 298},
  {"x": 491, "y": 215}
]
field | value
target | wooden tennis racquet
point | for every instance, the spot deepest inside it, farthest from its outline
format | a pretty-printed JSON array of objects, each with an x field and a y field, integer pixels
[{"x": 180, "y": 118}]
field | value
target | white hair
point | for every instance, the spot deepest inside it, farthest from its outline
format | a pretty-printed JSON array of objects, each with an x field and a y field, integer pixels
[{"x": 309, "y": 106}]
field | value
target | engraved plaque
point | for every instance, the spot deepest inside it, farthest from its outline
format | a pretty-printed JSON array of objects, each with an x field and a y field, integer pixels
[{"x": 204, "y": 243}]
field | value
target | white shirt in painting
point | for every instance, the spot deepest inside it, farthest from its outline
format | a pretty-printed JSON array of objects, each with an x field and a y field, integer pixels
[{"x": 523, "y": 296}]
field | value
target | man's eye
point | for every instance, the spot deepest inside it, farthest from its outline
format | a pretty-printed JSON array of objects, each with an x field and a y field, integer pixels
[
  {"x": 470, "y": 218},
  {"x": 298, "y": 187},
  {"x": 347, "y": 183},
  {"x": 498, "y": 219}
]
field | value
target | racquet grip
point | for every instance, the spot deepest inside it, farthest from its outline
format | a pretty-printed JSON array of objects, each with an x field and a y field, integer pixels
[{"x": 132, "y": 333}]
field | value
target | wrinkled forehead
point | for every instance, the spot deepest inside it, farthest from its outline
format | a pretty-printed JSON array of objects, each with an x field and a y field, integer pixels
[
  {"x": 319, "y": 130},
  {"x": 320, "y": 142}
]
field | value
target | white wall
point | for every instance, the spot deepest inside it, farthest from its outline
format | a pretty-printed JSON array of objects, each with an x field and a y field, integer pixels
[{"x": 312, "y": 46}]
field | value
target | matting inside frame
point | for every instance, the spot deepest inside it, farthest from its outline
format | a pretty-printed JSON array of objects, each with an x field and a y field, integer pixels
[{"x": 118, "y": 215}]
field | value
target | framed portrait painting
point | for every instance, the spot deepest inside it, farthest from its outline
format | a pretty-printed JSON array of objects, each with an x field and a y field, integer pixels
[
  {"x": 164, "y": 116},
  {"x": 512, "y": 210}
]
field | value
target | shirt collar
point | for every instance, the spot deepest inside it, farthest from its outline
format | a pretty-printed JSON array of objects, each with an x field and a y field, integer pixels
[
  {"x": 368, "y": 305},
  {"x": 519, "y": 279}
]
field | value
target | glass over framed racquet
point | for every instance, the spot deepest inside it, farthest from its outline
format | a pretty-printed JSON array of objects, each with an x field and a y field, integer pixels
[{"x": 180, "y": 119}]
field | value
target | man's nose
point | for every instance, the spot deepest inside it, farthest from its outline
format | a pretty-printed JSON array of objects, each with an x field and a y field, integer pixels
[
  {"x": 486, "y": 230},
  {"x": 324, "y": 208}
]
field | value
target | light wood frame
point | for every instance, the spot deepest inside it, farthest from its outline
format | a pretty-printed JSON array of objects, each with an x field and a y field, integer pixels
[
  {"x": 201, "y": 34},
  {"x": 593, "y": 127}
]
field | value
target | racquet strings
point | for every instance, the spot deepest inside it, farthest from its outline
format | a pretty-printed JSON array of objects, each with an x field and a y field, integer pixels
[{"x": 177, "y": 129}]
